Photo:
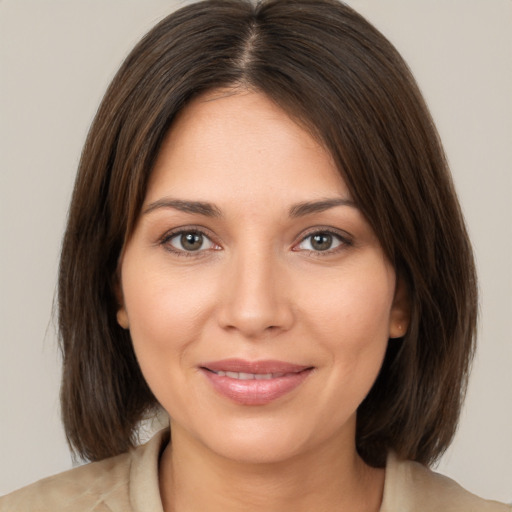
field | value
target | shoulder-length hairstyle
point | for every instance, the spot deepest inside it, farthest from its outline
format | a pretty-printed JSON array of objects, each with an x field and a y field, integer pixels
[{"x": 334, "y": 73}]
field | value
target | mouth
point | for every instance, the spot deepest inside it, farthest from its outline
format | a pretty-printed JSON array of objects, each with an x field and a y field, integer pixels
[
  {"x": 249, "y": 376},
  {"x": 254, "y": 382}
]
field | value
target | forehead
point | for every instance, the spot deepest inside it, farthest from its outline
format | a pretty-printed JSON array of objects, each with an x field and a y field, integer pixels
[{"x": 227, "y": 143}]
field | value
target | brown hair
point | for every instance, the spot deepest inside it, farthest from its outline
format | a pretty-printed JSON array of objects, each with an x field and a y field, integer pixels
[{"x": 336, "y": 74}]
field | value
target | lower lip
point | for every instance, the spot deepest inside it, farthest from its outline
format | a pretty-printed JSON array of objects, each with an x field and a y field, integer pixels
[{"x": 256, "y": 392}]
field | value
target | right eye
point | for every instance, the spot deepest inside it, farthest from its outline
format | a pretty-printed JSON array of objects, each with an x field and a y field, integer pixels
[{"x": 188, "y": 242}]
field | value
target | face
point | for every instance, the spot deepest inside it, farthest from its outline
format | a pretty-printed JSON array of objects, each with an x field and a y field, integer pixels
[{"x": 257, "y": 296}]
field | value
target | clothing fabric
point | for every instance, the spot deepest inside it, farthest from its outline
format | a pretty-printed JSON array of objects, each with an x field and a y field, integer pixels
[{"x": 129, "y": 483}]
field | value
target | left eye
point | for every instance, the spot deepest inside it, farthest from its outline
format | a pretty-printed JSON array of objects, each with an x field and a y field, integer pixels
[
  {"x": 190, "y": 241},
  {"x": 320, "y": 242}
]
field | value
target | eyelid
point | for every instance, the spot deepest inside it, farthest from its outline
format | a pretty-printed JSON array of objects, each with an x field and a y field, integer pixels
[
  {"x": 344, "y": 237},
  {"x": 174, "y": 232}
]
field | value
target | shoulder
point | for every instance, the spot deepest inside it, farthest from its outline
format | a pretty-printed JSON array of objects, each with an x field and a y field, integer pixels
[
  {"x": 411, "y": 487},
  {"x": 111, "y": 485},
  {"x": 82, "y": 488}
]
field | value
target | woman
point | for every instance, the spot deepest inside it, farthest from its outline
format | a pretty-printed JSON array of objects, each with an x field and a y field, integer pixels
[{"x": 264, "y": 240}]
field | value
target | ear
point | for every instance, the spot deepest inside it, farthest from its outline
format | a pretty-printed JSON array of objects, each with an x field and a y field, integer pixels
[
  {"x": 122, "y": 318},
  {"x": 400, "y": 314},
  {"x": 121, "y": 315}
]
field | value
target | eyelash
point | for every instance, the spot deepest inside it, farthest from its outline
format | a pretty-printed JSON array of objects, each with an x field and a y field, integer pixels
[
  {"x": 343, "y": 239},
  {"x": 167, "y": 237}
]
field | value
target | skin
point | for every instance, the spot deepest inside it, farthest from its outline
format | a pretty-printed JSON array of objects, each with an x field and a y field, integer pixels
[{"x": 257, "y": 288}]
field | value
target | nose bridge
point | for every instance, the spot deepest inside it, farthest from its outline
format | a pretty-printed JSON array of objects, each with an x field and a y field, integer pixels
[{"x": 255, "y": 299}]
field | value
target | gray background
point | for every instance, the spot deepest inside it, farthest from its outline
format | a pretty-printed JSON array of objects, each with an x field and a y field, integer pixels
[{"x": 56, "y": 59}]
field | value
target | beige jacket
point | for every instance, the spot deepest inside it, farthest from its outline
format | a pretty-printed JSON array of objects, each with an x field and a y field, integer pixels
[{"x": 129, "y": 483}]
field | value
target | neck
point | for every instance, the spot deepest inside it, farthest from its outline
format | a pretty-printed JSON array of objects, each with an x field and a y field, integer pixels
[{"x": 193, "y": 478}]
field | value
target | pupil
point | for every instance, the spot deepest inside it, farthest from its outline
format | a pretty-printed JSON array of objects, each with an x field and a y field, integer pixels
[
  {"x": 192, "y": 241},
  {"x": 321, "y": 242}
]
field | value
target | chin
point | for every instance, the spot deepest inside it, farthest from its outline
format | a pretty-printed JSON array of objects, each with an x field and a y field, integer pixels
[
  {"x": 263, "y": 450},
  {"x": 269, "y": 440},
  {"x": 246, "y": 440}
]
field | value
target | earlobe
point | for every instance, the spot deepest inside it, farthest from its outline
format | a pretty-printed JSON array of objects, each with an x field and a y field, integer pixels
[
  {"x": 121, "y": 315},
  {"x": 400, "y": 311},
  {"x": 122, "y": 318}
]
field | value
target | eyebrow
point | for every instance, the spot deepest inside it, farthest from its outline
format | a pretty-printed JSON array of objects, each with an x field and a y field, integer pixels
[
  {"x": 306, "y": 208},
  {"x": 198, "y": 207},
  {"x": 210, "y": 210}
]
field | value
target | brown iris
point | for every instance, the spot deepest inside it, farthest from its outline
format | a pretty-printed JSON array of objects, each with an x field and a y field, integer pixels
[
  {"x": 191, "y": 241},
  {"x": 321, "y": 241}
]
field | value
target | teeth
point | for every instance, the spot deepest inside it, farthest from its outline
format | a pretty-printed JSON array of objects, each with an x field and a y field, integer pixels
[
  {"x": 249, "y": 376},
  {"x": 263, "y": 376}
]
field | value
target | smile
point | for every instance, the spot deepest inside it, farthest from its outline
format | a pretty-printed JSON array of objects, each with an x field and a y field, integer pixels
[
  {"x": 249, "y": 376},
  {"x": 254, "y": 383}
]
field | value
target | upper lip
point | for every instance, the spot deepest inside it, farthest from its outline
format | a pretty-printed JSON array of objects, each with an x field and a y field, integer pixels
[{"x": 256, "y": 367}]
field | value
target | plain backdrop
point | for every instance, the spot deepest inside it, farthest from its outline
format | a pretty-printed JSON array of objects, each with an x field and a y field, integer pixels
[{"x": 56, "y": 59}]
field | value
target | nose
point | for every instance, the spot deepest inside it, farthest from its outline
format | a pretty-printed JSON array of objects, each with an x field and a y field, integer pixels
[{"x": 255, "y": 296}]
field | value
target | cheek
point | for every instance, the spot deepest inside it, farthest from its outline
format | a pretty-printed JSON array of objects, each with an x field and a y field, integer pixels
[
  {"x": 165, "y": 309},
  {"x": 166, "y": 313},
  {"x": 352, "y": 306},
  {"x": 350, "y": 320},
  {"x": 355, "y": 331}
]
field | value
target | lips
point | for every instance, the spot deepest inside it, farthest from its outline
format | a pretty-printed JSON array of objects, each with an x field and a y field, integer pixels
[{"x": 254, "y": 382}]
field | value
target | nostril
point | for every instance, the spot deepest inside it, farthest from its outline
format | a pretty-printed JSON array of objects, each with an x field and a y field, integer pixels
[{"x": 253, "y": 303}]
